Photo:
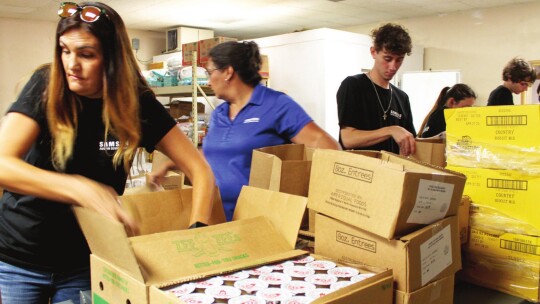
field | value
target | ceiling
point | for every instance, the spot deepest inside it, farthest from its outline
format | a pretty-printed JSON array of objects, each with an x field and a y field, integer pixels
[{"x": 245, "y": 19}]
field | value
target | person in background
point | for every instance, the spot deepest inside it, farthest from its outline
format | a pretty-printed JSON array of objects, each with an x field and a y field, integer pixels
[
  {"x": 518, "y": 75},
  {"x": 458, "y": 96},
  {"x": 374, "y": 114},
  {"x": 253, "y": 116},
  {"x": 69, "y": 140}
]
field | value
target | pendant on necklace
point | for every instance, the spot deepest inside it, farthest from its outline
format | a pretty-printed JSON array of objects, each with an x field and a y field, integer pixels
[{"x": 384, "y": 116}]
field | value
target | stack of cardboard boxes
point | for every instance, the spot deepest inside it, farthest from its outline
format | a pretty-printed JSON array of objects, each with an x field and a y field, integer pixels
[
  {"x": 377, "y": 209},
  {"x": 498, "y": 148}
]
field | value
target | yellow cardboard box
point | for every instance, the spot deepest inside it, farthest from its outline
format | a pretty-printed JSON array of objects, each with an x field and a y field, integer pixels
[
  {"x": 387, "y": 195},
  {"x": 494, "y": 137},
  {"x": 417, "y": 259},
  {"x": 438, "y": 292},
  {"x": 509, "y": 263},
  {"x": 512, "y": 193},
  {"x": 134, "y": 269}
]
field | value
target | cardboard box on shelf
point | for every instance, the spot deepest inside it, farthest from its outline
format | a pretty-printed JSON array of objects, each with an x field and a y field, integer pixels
[
  {"x": 187, "y": 53},
  {"x": 206, "y": 45},
  {"x": 265, "y": 67},
  {"x": 512, "y": 193},
  {"x": 507, "y": 262},
  {"x": 417, "y": 259},
  {"x": 134, "y": 269},
  {"x": 494, "y": 137},
  {"x": 387, "y": 195},
  {"x": 431, "y": 151},
  {"x": 438, "y": 292}
]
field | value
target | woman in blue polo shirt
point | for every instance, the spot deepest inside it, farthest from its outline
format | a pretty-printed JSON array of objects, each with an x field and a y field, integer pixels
[{"x": 252, "y": 117}]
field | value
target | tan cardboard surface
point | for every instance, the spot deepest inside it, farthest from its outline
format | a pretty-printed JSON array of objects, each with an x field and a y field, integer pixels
[
  {"x": 430, "y": 151},
  {"x": 167, "y": 210},
  {"x": 388, "y": 195},
  {"x": 438, "y": 292},
  {"x": 417, "y": 259}
]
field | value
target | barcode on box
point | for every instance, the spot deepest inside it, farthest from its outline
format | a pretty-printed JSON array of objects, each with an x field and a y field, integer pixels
[
  {"x": 509, "y": 120},
  {"x": 507, "y": 184}
]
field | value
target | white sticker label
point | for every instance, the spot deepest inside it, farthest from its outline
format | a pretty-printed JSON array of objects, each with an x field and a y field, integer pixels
[
  {"x": 432, "y": 202},
  {"x": 436, "y": 254}
]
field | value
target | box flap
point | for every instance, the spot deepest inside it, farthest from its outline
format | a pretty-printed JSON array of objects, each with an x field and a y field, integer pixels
[
  {"x": 266, "y": 171},
  {"x": 175, "y": 255},
  {"x": 167, "y": 210},
  {"x": 108, "y": 239},
  {"x": 285, "y": 211}
]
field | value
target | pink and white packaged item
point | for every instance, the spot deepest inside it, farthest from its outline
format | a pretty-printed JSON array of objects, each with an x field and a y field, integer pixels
[
  {"x": 275, "y": 278},
  {"x": 298, "y": 300},
  {"x": 251, "y": 285},
  {"x": 321, "y": 265},
  {"x": 214, "y": 281},
  {"x": 298, "y": 287},
  {"x": 318, "y": 292},
  {"x": 299, "y": 271},
  {"x": 274, "y": 295},
  {"x": 197, "y": 298},
  {"x": 321, "y": 279},
  {"x": 233, "y": 277},
  {"x": 282, "y": 266},
  {"x": 247, "y": 299},
  {"x": 340, "y": 284},
  {"x": 259, "y": 270},
  {"x": 343, "y": 272},
  {"x": 304, "y": 260},
  {"x": 361, "y": 277},
  {"x": 183, "y": 289},
  {"x": 223, "y": 292}
]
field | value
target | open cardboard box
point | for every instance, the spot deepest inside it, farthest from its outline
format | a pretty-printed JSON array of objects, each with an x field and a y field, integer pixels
[
  {"x": 382, "y": 192},
  {"x": 431, "y": 151},
  {"x": 438, "y": 292},
  {"x": 417, "y": 259},
  {"x": 133, "y": 269}
]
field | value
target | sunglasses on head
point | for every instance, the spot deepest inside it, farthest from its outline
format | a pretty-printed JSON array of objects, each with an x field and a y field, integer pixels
[{"x": 88, "y": 13}]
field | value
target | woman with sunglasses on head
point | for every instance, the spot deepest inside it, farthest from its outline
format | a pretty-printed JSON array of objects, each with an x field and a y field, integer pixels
[
  {"x": 458, "y": 96},
  {"x": 69, "y": 140}
]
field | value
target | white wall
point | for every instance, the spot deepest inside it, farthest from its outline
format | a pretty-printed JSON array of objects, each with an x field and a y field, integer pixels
[
  {"x": 24, "y": 45},
  {"x": 477, "y": 43}
]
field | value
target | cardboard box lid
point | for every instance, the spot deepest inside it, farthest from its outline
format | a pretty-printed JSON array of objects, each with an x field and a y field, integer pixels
[{"x": 178, "y": 255}]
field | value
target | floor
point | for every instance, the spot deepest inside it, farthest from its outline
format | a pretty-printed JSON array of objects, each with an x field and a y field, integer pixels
[{"x": 466, "y": 293}]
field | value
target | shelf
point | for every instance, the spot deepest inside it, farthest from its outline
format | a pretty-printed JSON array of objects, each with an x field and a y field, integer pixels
[{"x": 179, "y": 91}]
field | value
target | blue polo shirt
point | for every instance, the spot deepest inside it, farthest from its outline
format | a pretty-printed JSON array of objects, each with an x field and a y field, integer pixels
[{"x": 270, "y": 118}]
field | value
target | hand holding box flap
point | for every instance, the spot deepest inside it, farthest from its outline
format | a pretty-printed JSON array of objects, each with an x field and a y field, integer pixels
[
  {"x": 108, "y": 238},
  {"x": 285, "y": 211}
]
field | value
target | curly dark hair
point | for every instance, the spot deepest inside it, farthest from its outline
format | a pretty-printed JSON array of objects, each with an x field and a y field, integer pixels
[
  {"x": 393, "y": 38},
  {"x": 518, "y": 70}
]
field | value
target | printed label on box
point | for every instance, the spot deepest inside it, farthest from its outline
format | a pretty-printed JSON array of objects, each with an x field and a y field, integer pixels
[
  {"x": 436, "y": 254},
  {"x": 432, "y": 202}
]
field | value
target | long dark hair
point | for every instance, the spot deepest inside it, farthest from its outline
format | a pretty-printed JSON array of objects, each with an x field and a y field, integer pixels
[
  {"x": 243, "y": 57},
  {"x": 122, "y": 85}
]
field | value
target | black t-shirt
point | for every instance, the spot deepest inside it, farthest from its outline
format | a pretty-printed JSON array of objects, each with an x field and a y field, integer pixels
[
  {"x": 501, "y": 96},
  {"x": 435, "y": 124},
  {"x": 359, "y": 108},
  {"x": 44, "y": 235}
]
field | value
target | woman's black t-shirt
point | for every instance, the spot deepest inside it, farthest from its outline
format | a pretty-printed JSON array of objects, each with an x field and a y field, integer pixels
[{"x": 42, "y": 234}]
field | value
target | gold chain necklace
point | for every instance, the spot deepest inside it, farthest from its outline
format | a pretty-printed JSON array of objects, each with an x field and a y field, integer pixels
[{"x": 379, "y": 99}]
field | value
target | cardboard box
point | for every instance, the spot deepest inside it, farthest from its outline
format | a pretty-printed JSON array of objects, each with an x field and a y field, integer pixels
[
  {"x": 417, "y": 259},
  {"x": 265, "y": 67},
  {"x": 206, "y": 45},
  {"x": 387, "y": 195},
  {"x": 133, "y": 269},
  {"x": 508, "y": 262},
  {"x": 431, "y": 151},
  {"x": 512, "y": 193},
  {"x": 438, "y": 292},
  {"x": 187, "y": 53},
  {"x": 494, "y": 137}
]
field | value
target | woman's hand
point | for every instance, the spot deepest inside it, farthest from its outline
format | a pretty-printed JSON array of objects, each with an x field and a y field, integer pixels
[{"x": 103, "y": 199}]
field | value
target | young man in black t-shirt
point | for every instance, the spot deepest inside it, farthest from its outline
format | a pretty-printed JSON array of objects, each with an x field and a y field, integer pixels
[
  {"x": 518, "y": 75},
  {"x": 374, "y": 114}
]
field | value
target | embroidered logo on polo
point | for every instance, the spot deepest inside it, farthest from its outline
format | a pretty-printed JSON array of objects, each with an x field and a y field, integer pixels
[
  {"x": 251, "y": 120},
  {"x": 109, "y": 145},
  {"x": 395, "y": 114}
]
